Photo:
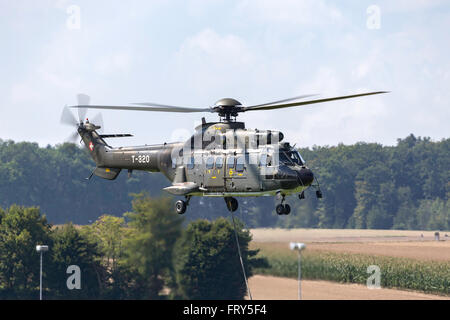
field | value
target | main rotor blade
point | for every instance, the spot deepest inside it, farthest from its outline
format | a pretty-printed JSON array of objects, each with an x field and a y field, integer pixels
[
  {"x": 67, "y": 117},
  {"x": 284, "y": 100},
  {"x": 150, "y": 108},
  {"x": 301, "y": 103}
]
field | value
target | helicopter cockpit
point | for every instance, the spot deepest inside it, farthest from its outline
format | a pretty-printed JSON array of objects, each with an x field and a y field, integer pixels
[
  {"x": 285, "y": 156},
  {"x": 290, "y": 156}
]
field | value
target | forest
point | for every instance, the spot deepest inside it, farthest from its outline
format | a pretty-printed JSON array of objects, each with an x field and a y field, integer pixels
[
  {"x": 364, "y": 185},
  {"x": 151, "y": 256}
]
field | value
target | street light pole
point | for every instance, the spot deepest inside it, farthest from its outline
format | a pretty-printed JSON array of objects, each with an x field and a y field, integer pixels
[
  {"x": 299, "y": 247},
  {"x": 41, "y": 249},
  {"x": 40, "y": 280},
  {"x": 299, "y": 277}
]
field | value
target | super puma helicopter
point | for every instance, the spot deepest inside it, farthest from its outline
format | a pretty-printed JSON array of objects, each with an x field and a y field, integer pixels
[{"x": 221, "y": 159}]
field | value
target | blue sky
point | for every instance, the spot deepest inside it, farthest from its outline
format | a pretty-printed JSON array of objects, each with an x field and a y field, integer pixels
[{"x": 192, "y": 53}]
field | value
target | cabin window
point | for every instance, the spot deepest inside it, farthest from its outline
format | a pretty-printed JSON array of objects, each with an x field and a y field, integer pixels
[
  {"x": 240, "y": 164},
  {"x": 219, "y": 163},
  {"x": 210, "y": 163},
  {"x": 230, "y": 162},
  {"x": 190, "y": 163}
]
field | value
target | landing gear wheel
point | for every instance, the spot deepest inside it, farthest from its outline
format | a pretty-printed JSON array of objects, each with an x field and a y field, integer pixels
[
  {"x": 180, "y": 206},
  {"x": 287, "y": 209},
  {"x": 232, "y": 204},
  {"x": 283, "y": 209},
  {"x": 301, "y": 195},
  {"x": 279, "y": 209}
]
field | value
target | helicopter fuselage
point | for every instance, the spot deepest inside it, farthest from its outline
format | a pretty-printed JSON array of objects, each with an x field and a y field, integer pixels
[{"x": 221, "y": 159}]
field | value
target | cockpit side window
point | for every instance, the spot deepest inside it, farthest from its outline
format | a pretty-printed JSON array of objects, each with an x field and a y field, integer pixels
[
  {"x": 297, "y": 158},
  {"x": 284, "y": 158},
  {"x": 290, "y": 157}
]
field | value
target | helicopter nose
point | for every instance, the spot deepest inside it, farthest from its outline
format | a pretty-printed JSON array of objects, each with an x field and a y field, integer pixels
[{"x": 305, "y": 176}]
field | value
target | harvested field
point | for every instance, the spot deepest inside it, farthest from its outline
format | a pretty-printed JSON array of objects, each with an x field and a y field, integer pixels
[
  {"x": 419, "y": 250},
  {"x": 390, "y": 243},
  {"x": 275, "y": 288},
  {"x": 342, "y": 235}
]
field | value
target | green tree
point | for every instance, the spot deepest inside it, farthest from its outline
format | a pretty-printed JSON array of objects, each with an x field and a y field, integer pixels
[
  {"x": 109, "y": 233},
  {"x": 405, "y": 217},
  {"x": 21, "y": 229},
  {"x": 148, "y": 252},
  {"x": 70, "y": 247},
  {"x": 434, "y": 214},
  {"x": 209, "y": 266}
]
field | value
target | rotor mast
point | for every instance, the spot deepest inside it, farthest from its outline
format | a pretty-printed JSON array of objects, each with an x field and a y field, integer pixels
[{"x": 227, "y": 108}]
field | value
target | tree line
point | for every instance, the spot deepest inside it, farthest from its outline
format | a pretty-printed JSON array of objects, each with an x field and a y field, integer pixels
[
  {"x": 144, "y": 254},
  {"x": 365, "y": 185}
]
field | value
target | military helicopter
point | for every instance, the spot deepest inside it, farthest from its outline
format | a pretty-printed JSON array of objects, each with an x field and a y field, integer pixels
[{"x": 221, "y": 159}]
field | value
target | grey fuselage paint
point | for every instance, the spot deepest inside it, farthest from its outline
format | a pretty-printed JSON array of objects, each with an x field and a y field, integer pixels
[{"x": 221, "y": 159}]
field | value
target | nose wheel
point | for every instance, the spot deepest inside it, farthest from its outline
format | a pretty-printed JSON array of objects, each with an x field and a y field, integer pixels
[
  {"x": 232, "y": 204},
  {"x": 283, "y": 209}
]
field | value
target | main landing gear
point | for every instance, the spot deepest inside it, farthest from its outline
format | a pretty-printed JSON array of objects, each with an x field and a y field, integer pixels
[
  {"x": 283, "y": 208},
  {"x": 232, "y": 203},
  {"x": 180, "y": 205}
]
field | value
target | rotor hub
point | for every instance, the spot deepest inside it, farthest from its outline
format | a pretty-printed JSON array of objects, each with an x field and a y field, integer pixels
[{"x": 227, "y": 108}]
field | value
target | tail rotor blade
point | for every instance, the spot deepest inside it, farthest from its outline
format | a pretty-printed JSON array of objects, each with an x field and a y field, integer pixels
[
  {"x": 72, "y": 138},
  {"x": 98, "y": 121},
  {"x": 67, "y": 117},
  {"x": 83, "y": 100}
]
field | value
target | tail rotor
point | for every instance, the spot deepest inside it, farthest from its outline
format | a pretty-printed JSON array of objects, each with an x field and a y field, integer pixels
[{"x": 68, "y": 118}]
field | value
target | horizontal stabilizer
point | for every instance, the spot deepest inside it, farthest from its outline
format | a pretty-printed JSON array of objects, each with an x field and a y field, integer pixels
[
  {"x": 182, "y": 189},
  {"x": 116, "y": 135}
]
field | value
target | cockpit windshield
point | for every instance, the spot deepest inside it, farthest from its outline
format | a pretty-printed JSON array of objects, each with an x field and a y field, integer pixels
[{"x": 291, "y": 157}]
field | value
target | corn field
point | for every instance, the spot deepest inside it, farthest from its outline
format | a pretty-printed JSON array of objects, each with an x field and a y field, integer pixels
[{"x": 401, "y": 273}]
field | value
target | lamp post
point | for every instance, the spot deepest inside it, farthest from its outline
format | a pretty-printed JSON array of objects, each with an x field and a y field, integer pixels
[
  {"x": 299, "y": 247},
  {"x": 41, "y": 249}
]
